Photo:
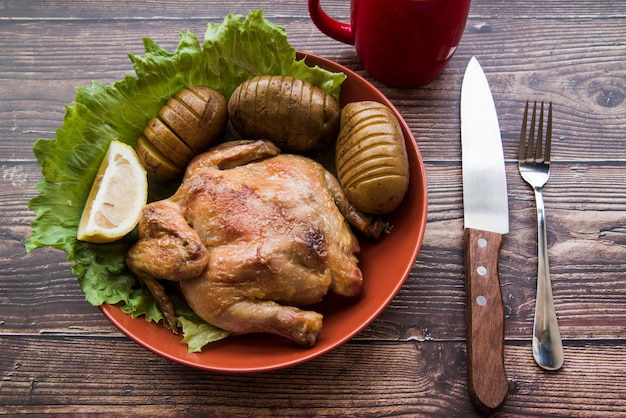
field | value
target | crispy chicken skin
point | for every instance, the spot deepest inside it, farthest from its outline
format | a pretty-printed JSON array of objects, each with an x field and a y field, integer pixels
[{"x": 250, "y": 235}]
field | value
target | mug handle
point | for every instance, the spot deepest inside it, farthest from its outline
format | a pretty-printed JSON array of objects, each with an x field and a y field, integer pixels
[{"x": 339, "y": 31}]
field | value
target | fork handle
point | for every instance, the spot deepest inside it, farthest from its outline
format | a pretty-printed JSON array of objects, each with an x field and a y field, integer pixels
[{"x": 547, "y": 344}]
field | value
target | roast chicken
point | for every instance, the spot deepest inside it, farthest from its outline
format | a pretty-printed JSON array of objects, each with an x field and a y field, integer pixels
[{"x": 250, "y": 237}]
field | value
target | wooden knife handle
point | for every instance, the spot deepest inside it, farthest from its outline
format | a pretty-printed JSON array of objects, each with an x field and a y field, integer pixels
[{"x": 487, "y": 382}]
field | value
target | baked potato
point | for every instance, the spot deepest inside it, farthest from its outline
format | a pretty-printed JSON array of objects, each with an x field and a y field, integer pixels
[
  {"x": 295, "y": 115},
  {"x": 371, "y": 157},
  {"x": 186, "y": 126}
]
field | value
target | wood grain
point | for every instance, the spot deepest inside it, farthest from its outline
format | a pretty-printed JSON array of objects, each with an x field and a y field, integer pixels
[
  {"x": 487, "y": 381},
  {"x": 356, "y": 380},
  {"x": 61, "y": 356},
  {"x": 585, "y": 239}
]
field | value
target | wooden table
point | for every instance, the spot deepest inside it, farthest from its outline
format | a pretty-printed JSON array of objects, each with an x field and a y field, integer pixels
[{"x": 60, "y": 355}]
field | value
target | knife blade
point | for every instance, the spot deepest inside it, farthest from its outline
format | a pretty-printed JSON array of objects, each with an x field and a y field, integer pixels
[{"x": 486, "y": 218}]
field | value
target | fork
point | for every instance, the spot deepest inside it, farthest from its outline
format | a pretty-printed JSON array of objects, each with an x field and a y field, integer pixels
[{"x": 534, "y": 167}]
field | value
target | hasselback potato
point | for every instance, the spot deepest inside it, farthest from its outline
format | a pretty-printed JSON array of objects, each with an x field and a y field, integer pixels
[
  {"x": 371, "y": 157},
  {"x": 295, "y": 115},
  {"x": 186, "y": 126}
]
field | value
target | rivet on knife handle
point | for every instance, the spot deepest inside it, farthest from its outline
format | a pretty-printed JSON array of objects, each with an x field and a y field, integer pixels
[{"x": 487, "y": 382}]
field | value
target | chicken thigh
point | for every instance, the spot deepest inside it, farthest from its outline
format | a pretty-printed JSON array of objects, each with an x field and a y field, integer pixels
[{"x": 250, "y": 236}]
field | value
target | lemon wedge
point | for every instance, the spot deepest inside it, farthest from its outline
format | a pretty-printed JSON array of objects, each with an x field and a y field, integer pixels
[{"x": 116, "y": 198}]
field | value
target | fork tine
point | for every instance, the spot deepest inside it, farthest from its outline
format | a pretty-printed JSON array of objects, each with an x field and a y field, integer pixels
[
  {"x": 539, "y": 145},
  {"x": 522, "y": 137},
  {"x": 548, "y": 135},
  {"x": 530, "y": 147}
]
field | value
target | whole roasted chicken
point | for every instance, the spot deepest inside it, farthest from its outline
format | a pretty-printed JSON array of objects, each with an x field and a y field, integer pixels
[{"x": 250, "y": 236}]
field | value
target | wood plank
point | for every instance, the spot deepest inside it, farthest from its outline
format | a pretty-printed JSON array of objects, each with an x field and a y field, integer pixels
[
  {"x": 197, "y": 9},
  {"x": 587, "y": 238},
  {"x": 587, "y": 90},
  {"x": 428, "y": 378}
]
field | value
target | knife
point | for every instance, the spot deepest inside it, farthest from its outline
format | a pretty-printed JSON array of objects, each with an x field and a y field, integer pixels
[{"x": 486, "y": 217}]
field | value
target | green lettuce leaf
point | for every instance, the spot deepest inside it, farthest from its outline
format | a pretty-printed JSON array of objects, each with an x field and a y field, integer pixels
[{"x": 231, "y": 52}]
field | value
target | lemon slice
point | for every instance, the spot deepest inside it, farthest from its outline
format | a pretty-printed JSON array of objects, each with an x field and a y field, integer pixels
[{"x": 117, "y": 196}]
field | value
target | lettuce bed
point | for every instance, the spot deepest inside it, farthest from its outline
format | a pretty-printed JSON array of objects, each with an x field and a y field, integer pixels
[{"x": 231, "y": 52}]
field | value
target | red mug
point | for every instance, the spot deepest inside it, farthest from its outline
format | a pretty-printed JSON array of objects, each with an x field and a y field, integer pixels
[{"x": 402, "y": 43}]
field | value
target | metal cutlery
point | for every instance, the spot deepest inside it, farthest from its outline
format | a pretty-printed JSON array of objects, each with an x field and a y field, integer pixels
[{"x": 534, "y": 167}]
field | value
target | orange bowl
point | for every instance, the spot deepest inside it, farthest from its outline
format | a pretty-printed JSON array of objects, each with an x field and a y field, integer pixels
[{"x": 385, "y": 264}]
